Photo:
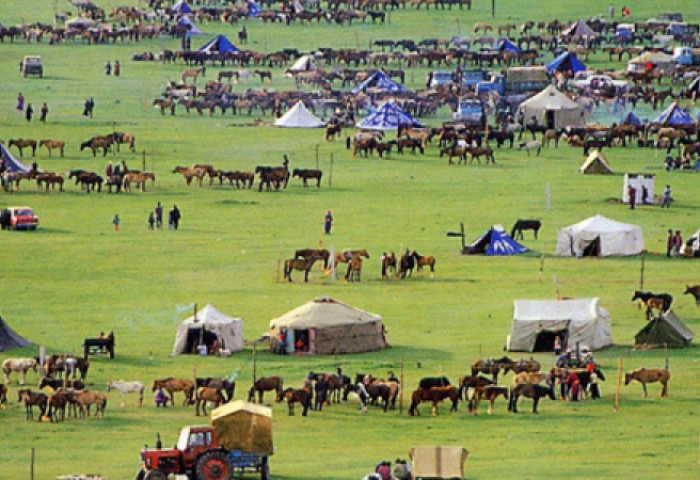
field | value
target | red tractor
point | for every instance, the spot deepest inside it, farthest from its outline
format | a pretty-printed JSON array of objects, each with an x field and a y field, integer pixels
[{"x": 207, "y": 452}]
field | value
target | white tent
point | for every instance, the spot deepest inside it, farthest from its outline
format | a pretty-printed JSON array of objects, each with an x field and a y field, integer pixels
[
  {"x": 579, "y": 321},
  {"x": 611, "y": 237},
  {"x": 552, "y": 108},
  {"x": 658, "y": 60},
  {"x": 208, "y": 325},
  {"x": 304, "y": 64},
  {"x": 691, "y": 248},
  {"x": 299, "y": 117}
]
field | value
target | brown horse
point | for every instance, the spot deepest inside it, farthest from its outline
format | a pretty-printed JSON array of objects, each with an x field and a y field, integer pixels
[
  {"x": 265, "y": 384},
  {"x": 650, "y": 375},
  {"x": 295, "y": 395},
  {"x": 51, "y": 144},
  {"x": 50, "y": 179},
  {"x": 492, "y": 366},
  {"x": 190, "y": 173},
  {"x": 388, "y": 263},
  {"x": 308, "y": 253},
  {"x": 3, "y": 395},
  {"x": 172, "y": 385},
  {"x": 435, "y": 395},
  {"x": 22, "y": 143},
  {"x": 193, "y": 73},
  {"x": 346, "y": 255},
  {"x": 31, "y": 399},
  {"x": 305, "y": 174},
  {"x": 354, "y": 270},
  {"x": 139, "y": 178},
  {"x": 422, "y": 261},
  {"x": 208, "y": 394},
  {"x": 695, "y": 292},
  {"x": 86, "y": 398},
  {"x": 523, "y": 365},
  {"x": 105, "y": 143},
  {"x": 121, "y": 137},
  {"x": 471, "y": 381},
  {"x": 487, "y": 392},
  {"x": 300, "y": 264}
]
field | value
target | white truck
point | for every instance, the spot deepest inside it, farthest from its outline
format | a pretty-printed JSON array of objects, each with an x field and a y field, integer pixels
[{"x": 686, "y": 55}]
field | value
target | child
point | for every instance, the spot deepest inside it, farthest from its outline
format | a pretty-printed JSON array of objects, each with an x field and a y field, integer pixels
[
  {"x": 161, "y": 398},
  {"x": 115, "y": 222},
  {"x": 151, "y": 220}
]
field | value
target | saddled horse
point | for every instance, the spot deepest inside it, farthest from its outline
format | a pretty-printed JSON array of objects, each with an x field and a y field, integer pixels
[
  {"x": 295, "y": 395},
  {"x": 308, "y": 253},
  {"x": 21, "y": 365},
  {"x": 388, "y": 264},
  {"x": 520, "y": 225},
  {"x": 346, "y": 255},
  {"x": 226, "y": 385},
  {"x": 172, "y": 385},
  {"x": 265, "y": 384},
  {"x": 529, "y": 377},
  {"x": 193, "y": 73},
  {"x": 139, "y": 178},
  {"x": 32, "y": 399},
  {"x": 190, "y": 173},
  {"x": 301, "y": 264},
  {"x": 695, "y": 292},
  {"x": 51, "y": 144},
  {"x": 208, "y": 394},
  {"x": 22, "y": 143},
  {"x": 660, "y": 301},
  {"x": 305, "y": 174},
  {"x": 435, "y": 395},
  {"x": 103, "y": 142},
  {"x": 86, "y": 398},
  {"x": 467, "y": 382},
  {"x": 492, "y": 366},
  {"x": 490, "y": 393},
  {"x": 125, "y": 388},
  {"x": 529, "y": 390},
  {"x": 650, "y": 375},
  {"x": 422, "y": 261},
  {"x": 523, "y": 365}
]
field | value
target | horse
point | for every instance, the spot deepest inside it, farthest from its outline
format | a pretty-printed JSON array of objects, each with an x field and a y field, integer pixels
[
  {"x": 435, "y": 395},
  {"x": 346, "y": 255},
  {"x": 661, "y": 301},
  {"x": 650, "y": 375},
  {"x": 66, "y": 363},
  {"x": 139, "y": 178},
  {"x": 529, "y": 390},
  {"x": 121, "y": 137},
  {"x": 301, "y": 264},
  {"x": 50, "y": 179},
  {"x": 429, "y": 382},
  {"x": 492, "y": 366},
  {"x": 388, "y": 263},
  {"x": 333, "y": 130},
  {"x": 422, "y": 261},
  {"x": 193, "y": 73},
  {"x": 57, "y": 403},
  {"x": 31, "y": 399},
  {"x": 208, "y": 394},
  {"x": 472, "y": 381},
  {"x": 520, "y": 225},
  {"x": 306, "y": 174},
  {"x": 354, "y": 269},
  {"x": 3, "y": 395},
  {"x": 406, "y": 264},
  {"x": 89, "y": 180},
  {"x": 56, "y": 383},
  {"x": 51, "y": 144},
  {"x": 22, "y": 143},
  {"x": 263, "y": 385},
  {"x": 695, "y": 292},
  {"x": 21, "y": 365},
  {"x": 490, "y": 393},
  {"x": 295, "y": 395},
  {"x": 125, "y": 388},
  {"x": 523, "y": 365},
  {"x": 172, "y": 385},
  {"x": 86, "y": 398},
  {"x": 529, "y": 377},
  {"x": 334, "y": 381},
  {"x": 226, "y": 385},
  {"x": 531, "y": 145},
  {"x": 190, "y": 173}
]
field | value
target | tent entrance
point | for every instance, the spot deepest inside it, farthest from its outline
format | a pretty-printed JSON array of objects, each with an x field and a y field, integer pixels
[
  {"x": 301, "y": 340},
  {"x": 591, "y": 248},
  {"x": 549, "y": 119},
  {"x": 197, "y": 336},
  {"x": 544, "y": 342}
]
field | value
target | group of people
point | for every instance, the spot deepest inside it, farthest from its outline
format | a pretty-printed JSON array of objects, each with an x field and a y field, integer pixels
[
  {"x": 674, "y": 243},
  {"x": 117, "y": 68},
  {"x": 384, "y": 471},
  {"x": 632, "y": 196},
  {"x": 155, "y": 218},
  {"x": 29, "y": 111}
]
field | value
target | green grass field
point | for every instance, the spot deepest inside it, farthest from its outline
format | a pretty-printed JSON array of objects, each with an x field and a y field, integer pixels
[{"x": 75, "y": 276}]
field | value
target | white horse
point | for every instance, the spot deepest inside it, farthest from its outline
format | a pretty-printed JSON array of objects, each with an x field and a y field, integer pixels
[
  {"x": 18, "y": 365},
  {"x": 127, "y": 387}
]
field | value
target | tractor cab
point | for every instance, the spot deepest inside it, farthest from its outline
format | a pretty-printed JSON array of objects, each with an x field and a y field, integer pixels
[{"x": 191, "y": 444}]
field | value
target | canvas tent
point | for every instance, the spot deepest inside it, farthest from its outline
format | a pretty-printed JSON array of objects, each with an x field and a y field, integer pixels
[
  {"x": 388, "y": 117},
  {"x": 326, "y": 326},
  {"x": 9, "y": 338},
  {"x": 607, "y": 236},
  {"x": 305, "y": 63},
  {"x": 494, "y": 241},
  {"x": 244, "y": 426},
  {"x": 219, "y": 44},
  {"x": 674, "y": 116},
  {"x": 191, "y": 27},
  {"x": 11, "y": 162},
  {"x": 207, "y": 326},
  {"x": 579, "y": 30},
  {"x": 650, "y": 60},
  {"x": 379, "y": 81},
  {"x": 298, "y": 117},
  {"x": 536, "y": 323},
  {"x": 667, "y": 329},
  {"x": 565, "y": 62},
  {"x": 552, "y": 108},
  {"x": 434, "y": 461},
  {"x": 595, "y": 164},
  {"x": 691, "y": 248}
]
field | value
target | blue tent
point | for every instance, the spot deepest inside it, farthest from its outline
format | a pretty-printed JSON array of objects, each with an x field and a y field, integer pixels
[
  {"x": 505, "y": 44},
  {"x": 388, "y": 117},
  {"x": 565, "y": 61},
  {"x": 631, "y": 119},
  {"x": 181, "y": 7},
  {"x": 191, "y": 27},
  {"x": 219, "y": 44},
  {"x": 253, "y": 9},
  {"x": 381, "y": 81},
  {"x": 674, "y": 116},
  {"x": 11, "y": 163},
  {"x": 495, "y": 241}
]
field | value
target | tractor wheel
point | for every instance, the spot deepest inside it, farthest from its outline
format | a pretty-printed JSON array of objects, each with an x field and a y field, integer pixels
[
  {"x": 155, "y": 475},
  {"x": 140, "y": 474},
  {"x": 214, "y": 465},
  {"x": 264, "y": 469}
]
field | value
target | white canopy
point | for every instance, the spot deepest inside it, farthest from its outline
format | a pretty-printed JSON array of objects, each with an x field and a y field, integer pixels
[
  {"x": 299, "y": 117},
  {"x": 304, "y": 64},
  {"x": 615, "y": 238},
  {"x": 552, "y": 108},
  {"x": 228, "y": 330},
  {"x": 581, "y": 321}
]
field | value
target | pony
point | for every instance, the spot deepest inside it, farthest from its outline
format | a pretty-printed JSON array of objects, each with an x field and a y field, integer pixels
[
  {"x": 333, "y": 130},
  {"x": 695, "y": 292},
  {"x": 529, "y": 390},
  {"x": 57, "y": 403},
  {"x": 661, "y": 301},
  {"x": 193, "y": 73},
  {"x": 490, "y": 393},
  {"x": 492, "y": 366},
  {"x": 90, "y": 180},
  {"x": 139, "y": 178},
  {"x": 435, "y": 395},
  {"x": 334, "y": 381},
  {"x": 22, "y": 143},
  {"x": 208, "y": 394},
  {"x": 66, "y": 363},
  {"x": 51, "y": 144},
  {"x": 472, "y": 381},
  {"x": 650, "y": 375},
  {"x": 388, "y": 263},
  {"x": 354, "y": 269},
  {"x": 406, "y": 264},
  {"x": 429, "y": 382},
  {"x": 295, "y": 395},
  {"x": 422, "y": 261},
  {"x": 86, "y": 398},
  {"x": 520, "y": 225},
  {"x": 125, "y": 388},
  {"x": 56, "y": 383},
  {"x": 31, "y": 399},
  {"x": 94, "y": 143},
  {"x": 308, "y": 253},
  {"x": 226, "y": 385},
  {"x": 190, "y": 173},
  {"x": 172, "y": 385},
  {"x": 21, "y": 365},
  {"x": 263, "y": 385},
  {"x": 301, "y": 264},
  {"x": 305, "y": 174},
  {"x": 375, "y": 391}
]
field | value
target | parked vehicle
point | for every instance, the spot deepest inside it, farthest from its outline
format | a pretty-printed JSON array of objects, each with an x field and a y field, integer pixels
[
  {"x": 18, "y": 218},
  {"x": 517, "y": 80},
  {"x": 686, "y": 55},
  {"x": 32, "y": 65},
  {"x": 470, "y": 111},
  {"x": 596, "y": 82}
]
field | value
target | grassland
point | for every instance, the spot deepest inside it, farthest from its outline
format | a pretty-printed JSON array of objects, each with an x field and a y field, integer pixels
[{"x": 75, "y": 276}]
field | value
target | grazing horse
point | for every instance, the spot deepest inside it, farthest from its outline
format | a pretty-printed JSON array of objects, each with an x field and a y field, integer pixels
[
  {"x": 98, "y": 142},
  {"x": 650, "y": 375},
  {"x": 529, "y": 390},
  {"x": 354, "y": 269},
  {"x": 208, "y": 394},
  {"x": 661, "y": 301},
  {"x": 388, "y": 263},
  {"x": 520, "y": 225},
  {"x": 422, "y": 261},
  {"x": 695, "y": 292},
  {"x": 125, "y": 388},
  {"x": 406, "y": 264},
  {"x": 435, "y": 395},
  {"x": 226, "y": 385},
  {"x": 333, "y": 130},
  {"x": 172, "y": 385},
  {"x": 263, "y": 385},
  {"x": 31, "y": 399},
  {"x": 306, "y": 174},
  {"x": 56, "y": 383},
  {"x": 22, "y": 143},
  {"x": 190, "y": 173},
  {"x": 487, "y": 392},
  {"x": 139, "y": 178},
  {"x": 21, "y": 365},
  {"x": 86, "y": 398},
  {"x": 51, "y": 144},
  {"x": 193, "y": 73},
  {"x": 295, "y": 395},
  {"x": 301, "y": 264}
]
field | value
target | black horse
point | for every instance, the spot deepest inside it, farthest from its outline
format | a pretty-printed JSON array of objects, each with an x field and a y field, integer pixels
[
  {"x": 428, "y": 382},
  {"x": 521, "y": 225},
  {"x": 661, "y": 301},
  {"x": 529, "y": 390},
  {"x": 406, "y": 265}
]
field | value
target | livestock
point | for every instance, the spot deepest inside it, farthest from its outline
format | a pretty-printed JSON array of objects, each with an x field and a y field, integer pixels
[
  {"x": 22, "y": 143},
  {"x": 490, "y": 393},
  {"x": 529, "y": 390},
  {"x": 51, "y": 144},
  {"x": 193, "y": 73},
  {"x": 306, "y": 174},
  {"x": 94, "y": 143},
  {"x": 21, "y": 365},
  {"x": 695, "y": 292},
  {"x": 56, "y": 383},
  {"x": 520, "y": 225},
  {"x": 32, "y": 399},
  {"x": 50, "y": 180},
  {"x": 139, "y": 178},
  {"x": 650, "y": 375},
  {"x": 531, "y": 145},
  {"x": 300, "y": 264},
  {"x": 295, "y": 395},
  {"x": 435, "y": 395},
  {"x": 208, "y": 394},
  {"x": 125, "y": 388},
  {"x": 263, "y": 385},
  {"x": 422, "y": 261},
  {"x": 190, "y": 173},
  {"x": 660, "y": 301},
  {"x": 406, "y": 264},
  {"x": 86, "y": 398},
  {"x": 172, "y": 385},
  {"x": 388, "y": 263},
  {"x": 226, "y": 385}
]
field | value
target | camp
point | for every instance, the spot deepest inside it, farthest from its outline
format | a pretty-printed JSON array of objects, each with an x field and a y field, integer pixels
[
  {"x": 207, "y": 327},
  {"x": 327, "y": 326},
  {"x": 10, "y": 161},
  {"x": 567, "y": 61},
  {"x": 551, "y": 108},
  {"x": 9, "y": 338},
  {"x": 666, "y": 329},
  {"x": 379, "y": 81},
  {"x": 596, "y": 164},
  {"x": 578, "y": 321},
  {"x": 299, "y": 117},
  {"x": 388, "y": 117},
  {"x": 219, "y": 44},
  {"x": 599, "y": 236},
  {"x": 674, "y": 116},
  {"x": 659, "y": 60},
  {"x": 494, "y": 241}
]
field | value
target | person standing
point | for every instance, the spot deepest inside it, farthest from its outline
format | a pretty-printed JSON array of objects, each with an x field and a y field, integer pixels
[
  {"x": 44, "y": 113},
  {"x": 29, "y": 112},
  {"x": 611, "y": 10},
  {"x": 632, "y": 194},
  {"x": 115, "y": 222},
  {"x": 151, "y": 220},
  {"x": 174, "y": 218},
  {"x": 669, "y": 243},
  {"x": 117, "y": 68},
  {"x": 89, "y": 106},
  {"x": 557, "y": 345},
  {"x": 667, "y": 197},
  {"x": 328, "y": 222},
  {"x": 677, "y": 244},
  {"x": 159, "y": 215},
  {"x": 20, "y": 102},
  {"x": 108, "y": 68}
]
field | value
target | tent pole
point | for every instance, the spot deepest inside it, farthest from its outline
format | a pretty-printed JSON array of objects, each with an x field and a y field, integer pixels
[
  {"x": 255, "y": 351},
  {"x": 641, "y": 274},
  {"x": 619, "y": 383},
  {"x": 402, "y": 389}
]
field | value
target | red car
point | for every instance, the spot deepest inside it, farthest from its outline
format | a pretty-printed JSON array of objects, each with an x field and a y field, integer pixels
[{"x": 18, "y": 218}]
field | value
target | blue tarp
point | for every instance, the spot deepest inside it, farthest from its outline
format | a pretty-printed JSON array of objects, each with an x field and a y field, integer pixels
[
  {"x": 388, "y": 117},
  {"x": 219, "y": 44},
  {"x": 181, "y": 7},
  {"x": 495, "y": 241},
  {"x": 11, "y": 163},
  {"x": 630, "y": 119},
  {"x": 191, "y": 27},
  {"x": 565, "y": 61},
  {"x": 381, "y": 81},
  {"x": 675, "y": 116},
  {"x": 505, "y": 44},
  {"x": 253, "y": 9}
]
